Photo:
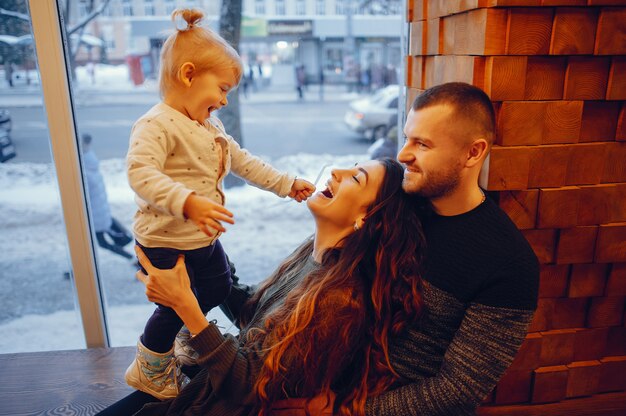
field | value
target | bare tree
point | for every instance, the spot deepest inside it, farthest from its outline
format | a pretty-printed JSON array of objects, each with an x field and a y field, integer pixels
[{"x": 79, "y": 27}]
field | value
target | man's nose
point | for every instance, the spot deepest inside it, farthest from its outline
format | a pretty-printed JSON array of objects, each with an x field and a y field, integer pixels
[{"x": 404, "y": 155}]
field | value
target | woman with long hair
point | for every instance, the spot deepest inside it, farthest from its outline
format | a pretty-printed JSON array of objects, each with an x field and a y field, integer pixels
[{"x": 319, "y": 326}]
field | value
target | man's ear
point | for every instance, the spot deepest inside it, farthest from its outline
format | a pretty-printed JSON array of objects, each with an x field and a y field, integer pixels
[
  {"x": 186, "y": 73},
  {"x": 476, "y": 152}
]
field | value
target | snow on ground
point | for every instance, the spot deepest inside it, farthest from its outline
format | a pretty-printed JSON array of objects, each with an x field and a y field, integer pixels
[{"x": 38, "y": 305}]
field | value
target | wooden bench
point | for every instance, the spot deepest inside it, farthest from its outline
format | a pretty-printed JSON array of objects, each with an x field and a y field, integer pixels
[
  {"x": 83, "y": 382},
  {"x": 80, "y": 382}
]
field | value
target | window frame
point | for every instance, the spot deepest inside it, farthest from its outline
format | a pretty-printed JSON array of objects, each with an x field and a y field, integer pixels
[{"x": 55, "y": 85}]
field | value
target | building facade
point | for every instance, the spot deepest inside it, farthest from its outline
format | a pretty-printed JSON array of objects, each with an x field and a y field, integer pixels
[{"x": 337, "y": 41}]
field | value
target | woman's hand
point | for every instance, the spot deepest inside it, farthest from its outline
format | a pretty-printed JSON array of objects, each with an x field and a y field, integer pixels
[
  {"x": 172, "y": 288},
  {"x": 168, "y": 287}
]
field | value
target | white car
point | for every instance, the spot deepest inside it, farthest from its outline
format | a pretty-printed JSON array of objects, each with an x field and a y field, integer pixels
[{"x": 373, "y": 116}]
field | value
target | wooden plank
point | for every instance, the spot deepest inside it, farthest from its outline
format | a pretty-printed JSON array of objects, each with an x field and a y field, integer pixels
[
  {"x": 514, "y": 387},
  {"x": 573, "y": 31},
  {"x": 417, "y": 38},
  {"x": 590, "y": 343},
  {"x": 612, "y": 376},
  {"x": 586, "y": 164},
  {"x": 557, "y": 347},
  {"x": 415, "y": 71},
  {"x": 63, "y": 382},
  {"x": 583, "y": 379},
  {"x": 587, "y": 280},
  {"x": 620, "y": 132},
  {"x": 563, "y": 2},
  {"x": 548, "y": 166},
  {"x": 558, "y": 208},
  {"x": 611, "y": 243},
  {"x": 606, "y": 2},
  {"x": 586, "y": 78},
  {"x": 618, "y": 207},
  {"x": 434, "y": 36},
  {"x": 599, "y": 122},
  {"x": 550, "y": 384},
  {"x": 520, "y": 123},
  {"x": 449, "y": 24},
  {"x": 527, "y": 357},
  {"x": 616, "y": 341},
  {"x": 545, "y": 77},
  {"x": 605, "y": 311},
  {"x": 529, "y": 31},
  {"x": 608, "y": 404},
  {"x": 562, "y": 122},
  {"x": 616, "y": 88},
  {"x": 616, "y": 282},
  {"x": 569, "y": 313},
  {"x": 521, "y": 207},
  {"x": 576, "y": 245},
  {"x": 598, "y": 203},
  {"x": 542, "y": 319},
  {"x": 611, "y": 33},
  {"x": 614, "y": 166},
  {"x": 486, "y": 32},
  {"x": 543, "y": 243},
  {"x": 508, "y": 168},
  {"x": 505, "y": 77},
  {"x": 553, "y": 280}
]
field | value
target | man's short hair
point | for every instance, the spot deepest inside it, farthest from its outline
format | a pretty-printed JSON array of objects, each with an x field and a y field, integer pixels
[{"x": 469, "y": 102}]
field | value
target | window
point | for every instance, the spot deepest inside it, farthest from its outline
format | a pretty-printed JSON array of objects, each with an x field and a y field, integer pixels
[
  {"x": 127, "y": 8},
  {"x": 82, "y": 8},
  {"x": 280, "y": 7},
  {"x": 259, "y": 7},
  {"x": 148, "y": 8},
  {"x": 340, "y": 7},
  {"x": 320, "y": 7},
  {"x": 300, "y": 7},
  {"x": 170, "y": 6},
  {"x": 37, "y": 291}
]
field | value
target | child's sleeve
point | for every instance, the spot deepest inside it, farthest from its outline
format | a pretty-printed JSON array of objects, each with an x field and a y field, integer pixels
[
  {"x": 149, "y": 146},
  {"x": 257, "y": 172}
]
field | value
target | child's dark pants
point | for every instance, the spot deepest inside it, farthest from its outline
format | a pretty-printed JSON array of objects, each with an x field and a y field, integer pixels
[{"x": 210, "y": 280}]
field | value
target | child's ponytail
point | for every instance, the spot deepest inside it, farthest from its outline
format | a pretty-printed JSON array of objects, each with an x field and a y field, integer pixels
[{"x": 187, "y": 19}]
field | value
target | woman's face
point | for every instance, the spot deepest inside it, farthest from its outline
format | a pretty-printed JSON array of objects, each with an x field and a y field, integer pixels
[{"x": 347, "y": 195}]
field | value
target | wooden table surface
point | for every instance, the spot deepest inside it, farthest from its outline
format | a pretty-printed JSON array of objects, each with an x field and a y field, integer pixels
[{"x": 80, "y": 382}]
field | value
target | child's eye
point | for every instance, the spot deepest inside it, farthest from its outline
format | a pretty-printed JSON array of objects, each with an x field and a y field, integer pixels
[{"x": 356, "y": 179}]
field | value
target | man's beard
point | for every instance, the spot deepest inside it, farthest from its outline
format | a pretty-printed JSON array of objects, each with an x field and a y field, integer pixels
[{"x": 436, "y": 184}]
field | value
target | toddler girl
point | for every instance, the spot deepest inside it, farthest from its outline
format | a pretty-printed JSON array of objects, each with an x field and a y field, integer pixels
[{"x": 178, "y": 157}]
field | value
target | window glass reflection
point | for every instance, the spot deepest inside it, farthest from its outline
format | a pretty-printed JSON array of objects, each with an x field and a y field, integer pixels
[{"x": 36, "y": 287}]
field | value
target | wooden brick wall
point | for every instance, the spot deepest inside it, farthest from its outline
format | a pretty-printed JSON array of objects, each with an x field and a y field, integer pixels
[{"x": 556, "y": 73}]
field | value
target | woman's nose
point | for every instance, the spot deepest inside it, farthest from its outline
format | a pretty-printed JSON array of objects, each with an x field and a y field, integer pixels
[{"x": 337, "y": 174}]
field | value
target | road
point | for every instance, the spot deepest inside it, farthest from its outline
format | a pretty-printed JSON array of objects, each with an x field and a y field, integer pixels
[{"x": 269, "y": 129}]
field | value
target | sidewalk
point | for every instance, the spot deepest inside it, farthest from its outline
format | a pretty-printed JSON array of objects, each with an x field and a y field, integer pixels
[{"x": 31, "y": 96}]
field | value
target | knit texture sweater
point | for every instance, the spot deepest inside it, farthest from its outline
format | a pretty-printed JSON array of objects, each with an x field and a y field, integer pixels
[
  {"x": 480, "y": 291},
  {"x": 230, "y": 367}
]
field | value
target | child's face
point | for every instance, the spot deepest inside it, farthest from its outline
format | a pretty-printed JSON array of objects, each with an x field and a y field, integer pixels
[{"x": 207, "y": 93}]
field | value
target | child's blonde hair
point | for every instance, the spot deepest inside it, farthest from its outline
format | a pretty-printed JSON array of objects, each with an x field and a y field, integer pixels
[{"x": 198, "y": 45}]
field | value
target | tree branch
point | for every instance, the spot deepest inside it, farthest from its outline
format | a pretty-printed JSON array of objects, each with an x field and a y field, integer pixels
[
  {"x": 17, "y": 15},
  {"x": 88, "y": 18}
]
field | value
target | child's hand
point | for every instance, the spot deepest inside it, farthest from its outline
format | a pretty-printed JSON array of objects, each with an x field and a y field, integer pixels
[
  {"x": 301, "y": 190},
  {"x": 206, "y": 213}
]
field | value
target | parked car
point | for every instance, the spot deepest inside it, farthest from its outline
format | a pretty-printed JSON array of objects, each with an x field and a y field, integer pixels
[
  {"x": 373, "y": 116},
  {"x": 7, "y": 150}
]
